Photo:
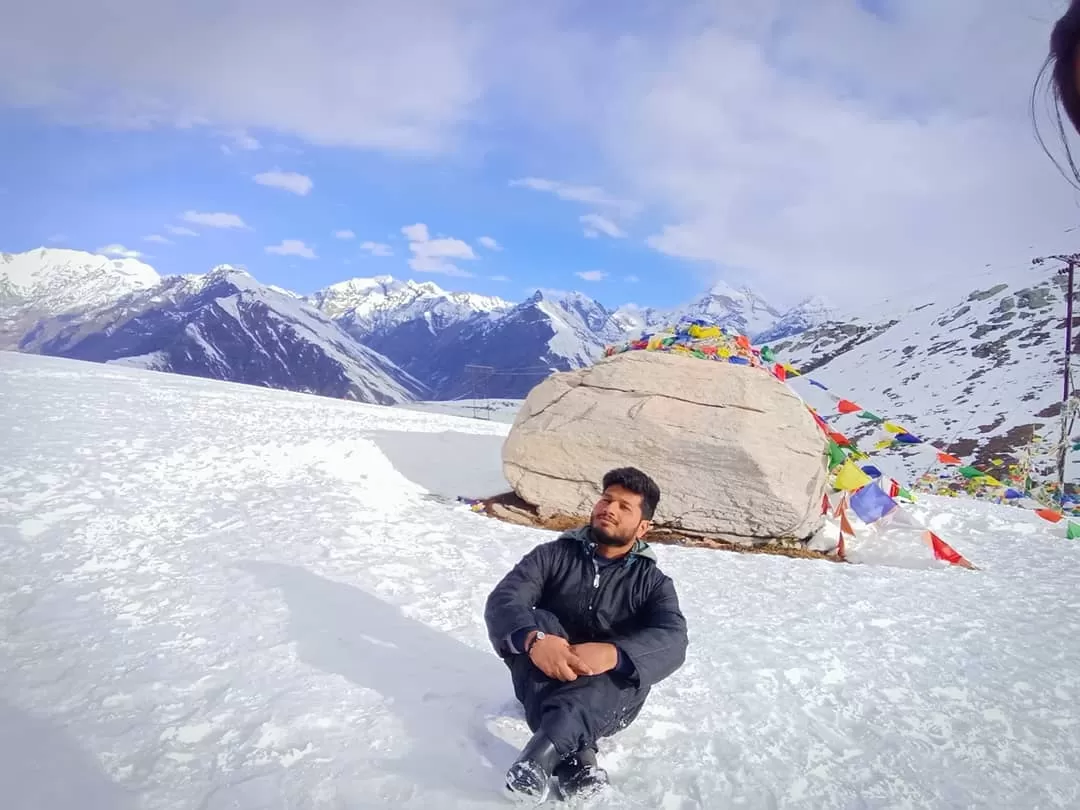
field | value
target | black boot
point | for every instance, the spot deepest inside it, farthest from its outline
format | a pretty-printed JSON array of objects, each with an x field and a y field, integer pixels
[
  {"x": 580, "y": 776},
  {"x": 527, "y": 779}
]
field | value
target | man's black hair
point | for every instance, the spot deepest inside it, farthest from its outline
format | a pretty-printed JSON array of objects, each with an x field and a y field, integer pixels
[{"x": 636, "y": 481}]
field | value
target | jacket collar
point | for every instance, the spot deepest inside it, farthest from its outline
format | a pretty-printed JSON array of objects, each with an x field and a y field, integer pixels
[{"x": 583, "y": 535}]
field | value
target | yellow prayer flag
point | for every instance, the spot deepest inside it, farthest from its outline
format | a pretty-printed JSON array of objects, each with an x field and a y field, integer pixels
[
  {"x": 883, "y": 444},
  {"x": 704, "y": 332},
  {"x": 892, "y": 427},
  {"x": 850, "y": 477}
]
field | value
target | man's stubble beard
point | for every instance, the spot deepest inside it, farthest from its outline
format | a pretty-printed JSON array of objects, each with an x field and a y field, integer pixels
[{"x": 606, "y": 539}]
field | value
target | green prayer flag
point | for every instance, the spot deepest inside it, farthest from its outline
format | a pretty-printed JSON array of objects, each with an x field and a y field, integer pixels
[
  {"x": 905, "y": 494},
  {"x": 836, "y": 455},
  {"x": 767, "y": 354},
  {"x": 971, "y": 472},
  {"x": 1073, "y": 532},
  {"x": 873, "y": 417}
]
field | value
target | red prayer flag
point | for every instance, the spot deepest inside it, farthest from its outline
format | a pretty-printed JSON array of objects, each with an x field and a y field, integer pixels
[
  {"x": 847, "y": 406},
  {"x": 1049, "y": 514},
  {"x": 779, "y": 371},
  {"x": 943, "y": 551},
  {"x": 825, "y": 504},
  {"x": 840, "y": 506},
  {"x": 841, "y": 550},
  {"x": 945, "y": 458},
  {"x": 845, "y": 526},
  {"x": 894, "y": 487},
  {"x": 839, "y": 438}
]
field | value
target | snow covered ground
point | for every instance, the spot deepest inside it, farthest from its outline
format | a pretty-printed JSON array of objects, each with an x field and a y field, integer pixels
[
  {"x": 498, "y": 410},
  {"x": 218, "y": 596}
]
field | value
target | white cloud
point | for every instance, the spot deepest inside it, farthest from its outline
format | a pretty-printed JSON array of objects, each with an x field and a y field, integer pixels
[
  {"x": 161, "y": 240},
  {"x": 432, "y": 255},
  {"x": 345, "y": 234},
  {"x": 180, "y": 230},
  {"x": 289, "y": 181},
  {"x": 242, "y": 141},
  {"x": 803, "y": 167},
  {"x": 400, "y": 77},
  {"x": 120, "y": 251},
  {"x": 595, "y": 224},
  {"x": 218, "y": 220},
  {"x": 593, "y": 195},
  {"x": 377, "y": 248},
  {"x": 416, "y": 233},
  {"x": 591, "y": 275},
  {"x": 292, "y": 247},
  {"x": 489, "y": 243}
]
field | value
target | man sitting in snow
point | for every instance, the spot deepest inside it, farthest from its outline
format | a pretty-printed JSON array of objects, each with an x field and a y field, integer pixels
[{"x": 587, "y": 624}]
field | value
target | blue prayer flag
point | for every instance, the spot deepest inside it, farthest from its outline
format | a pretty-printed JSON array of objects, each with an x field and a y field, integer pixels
[{"x": 871, "y": 503}]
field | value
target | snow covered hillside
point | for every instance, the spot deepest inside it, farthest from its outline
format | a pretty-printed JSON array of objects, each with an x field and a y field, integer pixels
[
  {"x": 216, "y": 596},
  {"x": 982, "y": 375}
]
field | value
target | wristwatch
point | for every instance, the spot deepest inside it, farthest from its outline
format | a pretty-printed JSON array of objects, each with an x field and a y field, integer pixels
[{"x": 539, "y": 635}]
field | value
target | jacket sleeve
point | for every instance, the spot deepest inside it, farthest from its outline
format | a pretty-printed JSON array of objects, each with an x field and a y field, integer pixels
[
  {"x": 510, "y": 605},
  {"x": 658, "y": 647}
]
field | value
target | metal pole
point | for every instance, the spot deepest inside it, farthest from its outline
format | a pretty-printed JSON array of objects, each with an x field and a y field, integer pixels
[{"x": 1063, "y": 450}]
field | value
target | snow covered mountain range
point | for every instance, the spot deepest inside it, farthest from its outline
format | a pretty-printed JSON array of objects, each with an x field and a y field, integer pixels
[
  {"x": 981, "y": 375},
  {"x": 223, "y": 325},
  {"x": 408, "y": 340}
]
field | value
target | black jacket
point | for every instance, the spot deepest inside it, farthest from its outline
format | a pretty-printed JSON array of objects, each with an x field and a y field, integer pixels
[{"x": 630, "y": 603}]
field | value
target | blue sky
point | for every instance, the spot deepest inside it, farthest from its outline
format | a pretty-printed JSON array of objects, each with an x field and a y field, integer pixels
[{"x": 634, "y": 156}]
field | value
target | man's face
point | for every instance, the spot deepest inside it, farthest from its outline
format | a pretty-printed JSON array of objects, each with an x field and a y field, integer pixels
[{"x": 616, "y": 518}]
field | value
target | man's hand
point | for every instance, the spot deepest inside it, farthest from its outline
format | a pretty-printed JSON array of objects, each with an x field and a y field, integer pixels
[
  {"x": 599, "y": 656},
  {"x": 553, "y": 656}
]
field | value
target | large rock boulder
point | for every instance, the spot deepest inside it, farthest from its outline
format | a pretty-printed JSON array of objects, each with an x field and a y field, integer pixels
[{"x": 736, "y": 454}]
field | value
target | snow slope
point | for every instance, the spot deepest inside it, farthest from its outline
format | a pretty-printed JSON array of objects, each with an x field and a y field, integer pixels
[{"x": 216, "y": 596}]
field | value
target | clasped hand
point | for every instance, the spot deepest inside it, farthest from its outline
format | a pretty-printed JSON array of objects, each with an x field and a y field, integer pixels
[{"x": 558, "y": 658}]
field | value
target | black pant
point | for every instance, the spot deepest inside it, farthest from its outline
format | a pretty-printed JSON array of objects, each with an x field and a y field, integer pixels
[{"x": 573, "y": 714}]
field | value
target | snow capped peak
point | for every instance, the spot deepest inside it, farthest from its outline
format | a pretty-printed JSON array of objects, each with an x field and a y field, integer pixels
[
  {"x": 368, "y": 304},
  {"x": 35, "y": 267},
  {"x": 724, "y": 289},
  {"x": 805, "y": 315},
  {"x": 58, "y": 279}
]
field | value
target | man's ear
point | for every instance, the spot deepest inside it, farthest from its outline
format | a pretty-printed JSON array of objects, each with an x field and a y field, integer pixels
[{"x": 643, "y": 528}]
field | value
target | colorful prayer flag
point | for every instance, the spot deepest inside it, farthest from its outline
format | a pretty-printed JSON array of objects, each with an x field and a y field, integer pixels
[
  {"x": 871, "y": 503},
  {"x": 850, "y": 478}
]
